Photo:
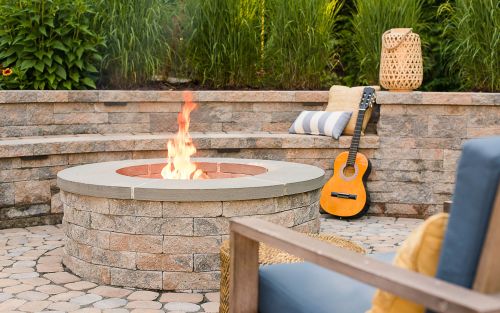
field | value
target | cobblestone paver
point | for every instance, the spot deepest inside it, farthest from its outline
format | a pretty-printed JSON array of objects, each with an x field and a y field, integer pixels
[{"x": 32, "y": 278}]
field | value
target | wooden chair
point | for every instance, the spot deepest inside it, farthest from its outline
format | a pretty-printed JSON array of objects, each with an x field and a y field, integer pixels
[{"x": 433, "y": 293}]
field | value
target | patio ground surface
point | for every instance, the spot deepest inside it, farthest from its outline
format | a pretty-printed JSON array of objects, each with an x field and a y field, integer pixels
[{"x": 32, "y": 278}]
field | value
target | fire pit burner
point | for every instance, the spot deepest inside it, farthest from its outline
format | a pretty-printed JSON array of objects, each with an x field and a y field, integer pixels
[{"x": 127, "y": 226}]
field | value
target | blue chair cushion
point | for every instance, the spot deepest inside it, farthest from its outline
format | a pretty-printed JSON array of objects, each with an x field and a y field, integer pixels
[
  {"x": 478, "y": 176},
  {"x": 308, "y": 288}
]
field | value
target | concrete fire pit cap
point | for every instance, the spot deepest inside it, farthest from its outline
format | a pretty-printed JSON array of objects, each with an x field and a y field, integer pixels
[{"x": 102, "y": 180}]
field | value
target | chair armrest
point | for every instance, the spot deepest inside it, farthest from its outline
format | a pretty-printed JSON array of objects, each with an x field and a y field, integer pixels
[{"x": 432, "y": 293}]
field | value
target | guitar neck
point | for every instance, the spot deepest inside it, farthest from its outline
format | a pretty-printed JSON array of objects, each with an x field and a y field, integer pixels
[{"x": 353, "y": 150}]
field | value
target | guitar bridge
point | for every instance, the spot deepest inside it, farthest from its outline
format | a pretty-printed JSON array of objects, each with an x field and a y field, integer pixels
[{"x": 344, "y": 195}]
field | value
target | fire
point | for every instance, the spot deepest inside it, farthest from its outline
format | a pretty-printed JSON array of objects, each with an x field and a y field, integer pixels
[{"x": 181, "y": 148}]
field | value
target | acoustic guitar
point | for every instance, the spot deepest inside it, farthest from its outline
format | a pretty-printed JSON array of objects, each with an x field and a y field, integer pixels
[{"x": 345, "y": 195}]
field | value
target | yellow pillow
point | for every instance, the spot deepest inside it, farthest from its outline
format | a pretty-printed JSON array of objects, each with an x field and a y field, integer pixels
[
  {"x": 342, "y": 98},
  {"x": 419, "y": 253}
]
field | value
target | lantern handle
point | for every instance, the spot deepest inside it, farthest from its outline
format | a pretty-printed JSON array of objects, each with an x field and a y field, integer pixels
[{"x": 389, "y": 47}]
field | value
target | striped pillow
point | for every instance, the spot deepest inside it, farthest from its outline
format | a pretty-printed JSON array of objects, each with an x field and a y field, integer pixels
[{"x": 320, "y": 123}]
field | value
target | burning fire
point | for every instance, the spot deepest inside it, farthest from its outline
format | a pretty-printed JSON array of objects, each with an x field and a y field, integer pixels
[{"x": 181, "y": 149}]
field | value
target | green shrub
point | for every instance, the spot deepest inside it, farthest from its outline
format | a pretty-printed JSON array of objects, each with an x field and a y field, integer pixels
[
  {"x": 300, "y": 52},
  {"x": 222, "y": 45},
  {"x": 475, "y": 44},
  {"x": 136, "y": 40},
  {"x": 49, "y": 44},
  {"x": 372, "y": 19}
]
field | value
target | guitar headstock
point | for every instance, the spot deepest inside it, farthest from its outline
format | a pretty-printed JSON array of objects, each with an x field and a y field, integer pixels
[{"x": 367, "y": 99}]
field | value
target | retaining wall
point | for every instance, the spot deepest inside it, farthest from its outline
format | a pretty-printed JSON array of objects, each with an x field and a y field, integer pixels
[{"x": 413, "y": 144}]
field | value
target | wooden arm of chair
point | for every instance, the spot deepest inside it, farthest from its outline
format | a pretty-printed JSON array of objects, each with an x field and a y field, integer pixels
[{"x": 246, "y": 233}]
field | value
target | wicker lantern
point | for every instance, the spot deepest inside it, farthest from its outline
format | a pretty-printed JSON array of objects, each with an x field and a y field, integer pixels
[{"x": 401, "y": 67}]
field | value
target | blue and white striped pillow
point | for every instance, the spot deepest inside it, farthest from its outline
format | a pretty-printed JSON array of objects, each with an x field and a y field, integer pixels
[{"x": 321, "y": 123}]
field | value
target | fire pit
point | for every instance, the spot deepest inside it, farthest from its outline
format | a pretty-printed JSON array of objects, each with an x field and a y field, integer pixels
[
  {"x": 127, "y": 227},
  {"x": 157, "y": 225}
]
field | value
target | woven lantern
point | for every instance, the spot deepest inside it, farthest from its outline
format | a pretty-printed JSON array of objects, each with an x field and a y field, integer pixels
[{"x": 401, "y": 67}]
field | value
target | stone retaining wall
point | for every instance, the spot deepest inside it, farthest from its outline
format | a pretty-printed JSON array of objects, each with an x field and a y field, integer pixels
[{"x": 413, "y": 149}]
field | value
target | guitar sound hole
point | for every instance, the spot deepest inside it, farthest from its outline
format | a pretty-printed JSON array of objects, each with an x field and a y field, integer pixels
[{"x": 349, "y": 171}]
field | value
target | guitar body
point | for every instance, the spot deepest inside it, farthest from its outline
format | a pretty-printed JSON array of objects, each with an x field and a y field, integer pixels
[{"x": 351, "y": 198}]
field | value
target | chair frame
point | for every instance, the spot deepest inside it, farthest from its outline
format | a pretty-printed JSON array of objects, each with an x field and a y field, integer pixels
[{"x": 435, "y": 294}]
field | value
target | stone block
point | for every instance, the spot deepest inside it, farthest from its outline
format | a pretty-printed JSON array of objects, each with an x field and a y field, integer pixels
[
  {"x": 56, "y": 204},
  {"x": 103, "y": 239},
  {"x": 190, "y": 281},
  {"x": 40, "y": 114},
  {"x": 163, "y": 122},
  {"x": 447, "y": 126},
  {"x": 182, "y": 245},
  {"x": 211, "y": 226},
  {"x": 126, "y": 118},
  {"x": 26, "y": 211},
  {"x": 404, "y": 126},
  {"x": 207, "y": 262},
  {"x": 176, "y": 227},
  {"x": 91, "y": 204},
  {"x": 125, "y": 224},
  {"x": 285, "y": 219},
  {"x": 305, "y": 214},
  {"x": 122, "y": 259},
  {"x": 80, "y": 234},
  {"x": 31, "y": 192},
  {"x": 135, "y": 207},
  {"x": 139, "y": 243},
  {"x": 249, "y": 207},
  {"x": 13, "y": 114},
  {"x": 192, "y": 209},
  {"x": 7, "y": 195},
  {"x": 136, "y": 278},
  {"x": 164, "y": 262},
  {"x": 80, "y": 118}
]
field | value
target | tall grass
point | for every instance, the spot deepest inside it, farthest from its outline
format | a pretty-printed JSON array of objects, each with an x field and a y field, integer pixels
[
  {"x": 372, "y": 19},
  {"x": 300, "y": 50},
  {"x": 475, "y": 45},
  {"x": 223, "y": 40},
  {"x": 136, "y": 40}
]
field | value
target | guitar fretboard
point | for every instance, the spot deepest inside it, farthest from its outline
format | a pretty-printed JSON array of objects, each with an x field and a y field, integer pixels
[{"x": 353, "y": 150}]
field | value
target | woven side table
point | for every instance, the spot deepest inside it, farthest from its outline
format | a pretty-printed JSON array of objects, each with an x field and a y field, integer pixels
[{"x": 268, "y": 256}]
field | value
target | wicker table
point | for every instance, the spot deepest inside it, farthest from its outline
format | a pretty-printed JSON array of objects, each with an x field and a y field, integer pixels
[{"x": 268, "y": 256}]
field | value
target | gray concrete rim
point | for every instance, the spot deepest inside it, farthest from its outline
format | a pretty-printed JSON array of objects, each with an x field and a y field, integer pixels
[{"x": 101, "y": 180}]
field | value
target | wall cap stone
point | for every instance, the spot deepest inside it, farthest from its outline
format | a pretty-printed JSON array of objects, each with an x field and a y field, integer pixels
[{"x": 438, "y": 98}]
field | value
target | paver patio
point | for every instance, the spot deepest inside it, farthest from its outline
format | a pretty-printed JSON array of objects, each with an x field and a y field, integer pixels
[{"x": 32, "y": 278}]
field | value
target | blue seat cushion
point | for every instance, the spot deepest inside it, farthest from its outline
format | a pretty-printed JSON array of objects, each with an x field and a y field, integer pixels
[
  {"x": 478, "y": 176},
  {"x": 308, "y": 288}
]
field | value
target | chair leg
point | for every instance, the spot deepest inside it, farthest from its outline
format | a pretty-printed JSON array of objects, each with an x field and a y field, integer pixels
[{"x": 244, "y": 275}]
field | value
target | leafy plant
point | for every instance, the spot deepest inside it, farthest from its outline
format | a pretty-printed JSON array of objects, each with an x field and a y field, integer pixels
[
  {"x": 372, "y": 19},
  {"x": 475, "y": 44},
  {"x": 49, "y": 43},
  {"x": 137, "y": 36},
  {"x": 300, "y": 50}
]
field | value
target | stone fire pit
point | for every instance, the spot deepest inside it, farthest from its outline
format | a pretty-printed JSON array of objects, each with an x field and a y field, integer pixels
[{"x": 127, "y": 227}]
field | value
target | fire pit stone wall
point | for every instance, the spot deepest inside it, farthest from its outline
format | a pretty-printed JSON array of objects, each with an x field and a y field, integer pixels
[{"x": 172, "y": 243}]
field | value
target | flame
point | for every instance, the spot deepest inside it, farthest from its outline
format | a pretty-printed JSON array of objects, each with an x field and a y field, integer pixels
[{"x": 181, "y": 149}]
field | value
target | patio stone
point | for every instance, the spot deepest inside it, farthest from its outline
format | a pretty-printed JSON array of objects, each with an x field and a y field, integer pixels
[
  {"x": 181, "y": 306},
  {"x": 111, "y": 292},
  {"x": 143, "y": 305},
  {"x": 8, "y": 282},
  {"x": 86, "y": 299},
  {"x": 211, "y": 307},
  {"x": 51, "y": 289},
  {"x": 11, "y": 304},
  {"x": 63, "y": 306},
  {"x": 32, "y": 295},
  {"x": 80, "y": 285},
  {"x": 110, "y": 303},
  {"x": 66, "y": 296},
  {"x": 181, "y": 297},
  {"x": 61, "y": 277},
  {"x": 4, "y": 296},
  {"x": 34, "y": 306},
  {"x": 143, "y": 295},
  {"x": 213, "y": 296},
  {"x": 18, "y": 288}
]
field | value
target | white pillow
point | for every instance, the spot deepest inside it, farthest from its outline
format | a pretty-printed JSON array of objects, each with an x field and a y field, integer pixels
[{"x": 321, "y": 123}]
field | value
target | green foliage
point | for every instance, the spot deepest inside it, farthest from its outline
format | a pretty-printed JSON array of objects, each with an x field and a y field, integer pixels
[
  {"x": 300, "y": 52},
  {"x": 137, "y": 35},
  {"x": 49, "y": 44},
  {"x": 475, "y": 44},
  {"x": 372, "y": 19},
  {"x": 222, "y": 42}
]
